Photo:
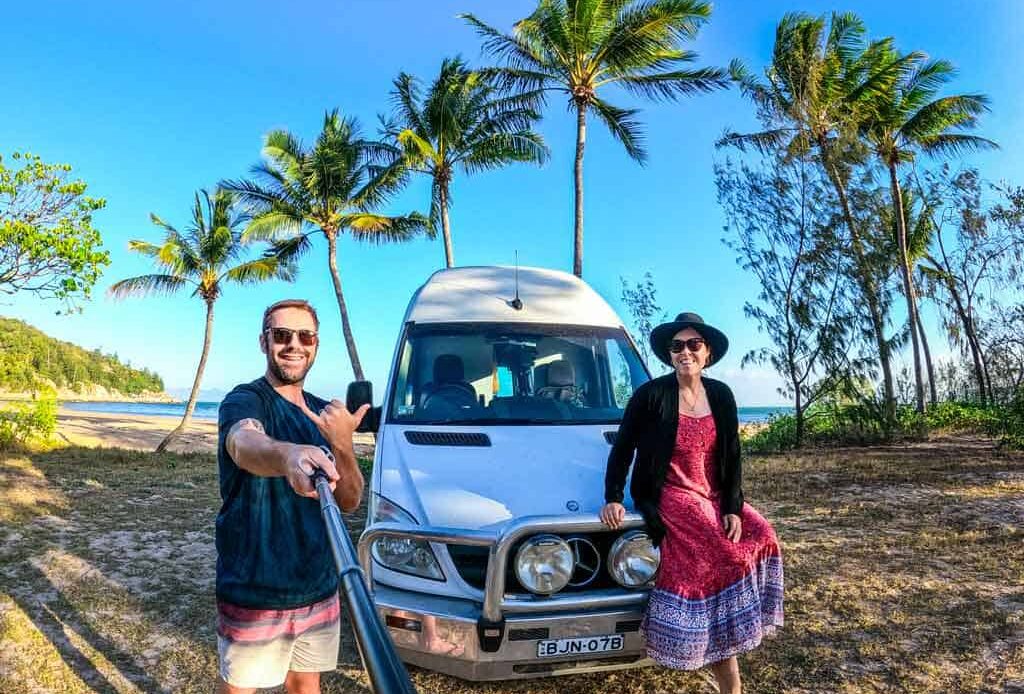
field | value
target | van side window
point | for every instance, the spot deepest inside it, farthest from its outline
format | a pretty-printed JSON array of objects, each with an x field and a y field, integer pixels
[{"x": 623, "y": 378}]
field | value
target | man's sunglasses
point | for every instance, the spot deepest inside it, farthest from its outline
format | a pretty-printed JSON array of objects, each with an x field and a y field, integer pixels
[
  {"x": 283, "y": 336},
  {"x": 693, "y": 345}
]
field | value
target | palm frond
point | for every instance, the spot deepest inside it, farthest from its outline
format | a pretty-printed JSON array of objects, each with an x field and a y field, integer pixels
[
  {"x": 624, "y": 127},
  {"x": 516, "y": 53},
  {"x": 272, "y": 225},
  {"x": 951, "y": 112},
  {"x": 764, "y": 142},
  {"x": 644, "y": 30},
  {"x": 261, "y": 270},
  {"x": 289, "y": 251},
  {"x": 145, "y": 248},
  {"x": 145, "y": 285},
  {"x": 955, "y": 144},
  {"x": 378, "y": 229},
  {"x": 666, "y": 86},
  {"x": 501, "y": 148}
]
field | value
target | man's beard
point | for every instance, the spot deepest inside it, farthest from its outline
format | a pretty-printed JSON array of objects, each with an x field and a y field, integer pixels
[{"x": 280, "y": 375}]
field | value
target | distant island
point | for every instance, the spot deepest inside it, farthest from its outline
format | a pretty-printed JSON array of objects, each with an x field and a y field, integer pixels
[{"x": 31, "y": 361}]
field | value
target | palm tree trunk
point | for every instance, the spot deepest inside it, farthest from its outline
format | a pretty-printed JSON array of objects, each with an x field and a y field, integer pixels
[
  {"x": 194, "y": 395},
  {"x": 867, "y": 287},
  {"x": 927, "y": 360},
  {"x": 446, "y": 231},
  {"x": 581, "y": 141},
  {"x": 346, "y": 327},
  {"x": 908, "y": 283}
]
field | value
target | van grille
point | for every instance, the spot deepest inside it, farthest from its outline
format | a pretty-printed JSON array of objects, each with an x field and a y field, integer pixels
[
  {"x": 610, "y": 437},
  {"x": 447, "y": 438},
  {"x": 471, "y": 563}
]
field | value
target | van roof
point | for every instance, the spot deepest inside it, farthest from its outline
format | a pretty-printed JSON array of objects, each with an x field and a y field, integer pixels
[{"x": 485, "y": 294}]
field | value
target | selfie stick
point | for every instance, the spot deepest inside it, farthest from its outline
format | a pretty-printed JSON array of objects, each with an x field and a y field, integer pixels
[{"x": 385, "y": 669}]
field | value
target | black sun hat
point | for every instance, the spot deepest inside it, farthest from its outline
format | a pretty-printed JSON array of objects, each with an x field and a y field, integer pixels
[{"x": 662, "y": 335}]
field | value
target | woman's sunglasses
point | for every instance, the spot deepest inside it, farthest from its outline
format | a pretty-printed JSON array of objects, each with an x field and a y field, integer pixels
[
  {"x": 283, "y": 336},
  {"x": 693, "y": 345}
]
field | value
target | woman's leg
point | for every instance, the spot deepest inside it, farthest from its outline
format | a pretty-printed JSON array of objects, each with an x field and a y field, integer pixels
[{"x": 727, "y": 674}]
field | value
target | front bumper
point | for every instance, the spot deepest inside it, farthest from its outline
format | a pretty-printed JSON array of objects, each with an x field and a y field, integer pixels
[
  {"x": 496, "y": 638},
  {"x": 442, "y": 634}
]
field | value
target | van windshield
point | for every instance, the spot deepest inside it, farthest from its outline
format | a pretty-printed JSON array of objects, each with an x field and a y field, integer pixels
[{"x": 514, "y": 374}]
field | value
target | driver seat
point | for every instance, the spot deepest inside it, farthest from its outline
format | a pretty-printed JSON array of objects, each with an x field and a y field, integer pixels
[
  {"x": 561, "y": 382},
  {"x": 449, "y": 372}
]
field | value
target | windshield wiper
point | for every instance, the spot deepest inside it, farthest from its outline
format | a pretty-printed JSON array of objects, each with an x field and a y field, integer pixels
[{"x": 503, "y": 420}]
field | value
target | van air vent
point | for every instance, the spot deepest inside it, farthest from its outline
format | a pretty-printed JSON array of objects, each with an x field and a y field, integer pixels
[{"x": 447, "y": 438}]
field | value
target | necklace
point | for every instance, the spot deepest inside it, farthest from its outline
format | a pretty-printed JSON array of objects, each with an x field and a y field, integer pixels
[{"x": 690, "y": 406}]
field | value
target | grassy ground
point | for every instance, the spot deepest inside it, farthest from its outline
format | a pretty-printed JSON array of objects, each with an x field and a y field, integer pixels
[{"x": 904, "y": 572}]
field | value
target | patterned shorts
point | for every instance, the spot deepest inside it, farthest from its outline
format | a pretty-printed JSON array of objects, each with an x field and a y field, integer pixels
[{"x": 257, "y": 647}]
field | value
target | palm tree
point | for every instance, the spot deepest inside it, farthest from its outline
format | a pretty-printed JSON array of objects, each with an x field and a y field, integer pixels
[
  {"x": 333, "y": 187},
  {"x": 905, "y": 118},
  {"x": 577, "y": 47},
  {"x": 817, "y": 88},
  {"x": 204, "y": 258},
  {"x": 920, "y": 232},
  {"x": 463, "y": 121}
]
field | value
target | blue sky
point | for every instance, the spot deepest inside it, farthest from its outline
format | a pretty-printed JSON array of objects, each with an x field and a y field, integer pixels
[{"x": 151, "y": 101}]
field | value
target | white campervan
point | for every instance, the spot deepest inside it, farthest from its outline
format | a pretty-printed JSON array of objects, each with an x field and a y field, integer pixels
[{"x": 483, "y": 548}]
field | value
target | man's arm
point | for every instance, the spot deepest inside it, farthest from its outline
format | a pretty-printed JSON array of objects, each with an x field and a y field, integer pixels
[
  {"x": 349, "y": 490},
  {"x": 254, "y": 451},
  {"x": 337, "y": 425}
]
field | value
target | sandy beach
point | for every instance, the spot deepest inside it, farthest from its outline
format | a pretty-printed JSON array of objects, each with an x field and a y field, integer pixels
[{"x": 145, "y": 432}]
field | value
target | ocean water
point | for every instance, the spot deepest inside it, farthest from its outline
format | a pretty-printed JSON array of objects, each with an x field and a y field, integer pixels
[
  {"x": 204, "y": 410},
  {"x": 208, "y": 410}
]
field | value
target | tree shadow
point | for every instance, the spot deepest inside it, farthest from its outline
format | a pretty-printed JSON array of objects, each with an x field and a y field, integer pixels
[{"x": 54, "y": 616}]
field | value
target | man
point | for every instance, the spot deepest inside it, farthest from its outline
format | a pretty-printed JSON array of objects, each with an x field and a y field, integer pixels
[{"x": 277, "y": 587}]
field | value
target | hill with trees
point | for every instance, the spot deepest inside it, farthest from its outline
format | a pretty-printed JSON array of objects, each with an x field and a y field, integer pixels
[{"x": 30, "y": 361}]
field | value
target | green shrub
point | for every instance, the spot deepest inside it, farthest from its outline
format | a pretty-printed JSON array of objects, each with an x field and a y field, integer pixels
[
  {"x": 27, "y": 422},
  {"x": 778, "y": 435},
  {"x": 861, "y": 423},
  {"x": 1010, "y": 424},
  {"x": 962, "y": 416}
]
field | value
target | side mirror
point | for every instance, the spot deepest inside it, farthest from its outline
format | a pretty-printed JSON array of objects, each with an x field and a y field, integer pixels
[{"x": 361, "y": 393}]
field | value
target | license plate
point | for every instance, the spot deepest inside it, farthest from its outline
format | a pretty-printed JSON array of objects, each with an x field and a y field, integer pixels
[{"x": 583, "y": 645}]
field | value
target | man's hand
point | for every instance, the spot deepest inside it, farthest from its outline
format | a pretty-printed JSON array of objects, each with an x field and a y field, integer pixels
[
  {"x": 336, "y": 423},
  {"x": 612, "y": 514},
  {"x": 299, "y": 466},
  {"x": 733, "y": 526}
]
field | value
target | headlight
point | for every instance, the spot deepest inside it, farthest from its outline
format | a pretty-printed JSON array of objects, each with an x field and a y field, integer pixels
[
  {"x": 544, "y": 564},
  {"x": 633, "y": 560},
  {"x": 402, "y": 554}
]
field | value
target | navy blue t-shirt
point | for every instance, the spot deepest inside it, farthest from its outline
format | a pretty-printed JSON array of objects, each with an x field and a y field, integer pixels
[{"x": 272, "y": 547}]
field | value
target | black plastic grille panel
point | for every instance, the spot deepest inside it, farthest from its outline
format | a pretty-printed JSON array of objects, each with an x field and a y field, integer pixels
[
  {"x": 447, "y": 438},
  {"x": 528, "y": 634}
]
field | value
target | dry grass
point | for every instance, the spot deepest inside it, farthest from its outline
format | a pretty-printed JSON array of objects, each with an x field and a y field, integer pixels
[{"x": 904, "y": 570}]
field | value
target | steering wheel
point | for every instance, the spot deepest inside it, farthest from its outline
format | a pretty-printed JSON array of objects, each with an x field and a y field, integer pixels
[{"x": 455, "y": 395}]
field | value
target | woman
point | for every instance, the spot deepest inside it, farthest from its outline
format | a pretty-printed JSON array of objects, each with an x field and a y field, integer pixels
[{"x": 719, "y": 588}]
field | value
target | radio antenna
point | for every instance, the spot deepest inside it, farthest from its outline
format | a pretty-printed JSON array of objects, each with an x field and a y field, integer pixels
[{"x": 517, "y": 303}]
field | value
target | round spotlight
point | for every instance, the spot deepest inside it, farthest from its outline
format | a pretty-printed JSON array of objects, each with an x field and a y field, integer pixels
[
  {"x": 544, "y": 564},
  {"x": 633, "y": 559}
]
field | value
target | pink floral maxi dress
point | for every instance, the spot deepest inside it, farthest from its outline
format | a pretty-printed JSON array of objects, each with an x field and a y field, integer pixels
[{"x": 713, "y": 598}]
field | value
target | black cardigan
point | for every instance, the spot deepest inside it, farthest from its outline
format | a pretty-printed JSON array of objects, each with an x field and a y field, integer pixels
[{"x": 649, "y": 427}]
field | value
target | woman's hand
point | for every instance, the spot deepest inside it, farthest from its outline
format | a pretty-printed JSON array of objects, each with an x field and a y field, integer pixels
[
  {"x": 733, "y": 526},
  {"x": 612, "y": 514}
]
